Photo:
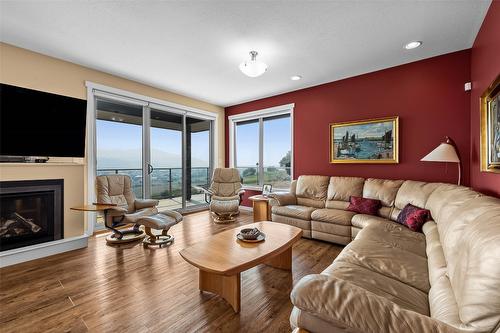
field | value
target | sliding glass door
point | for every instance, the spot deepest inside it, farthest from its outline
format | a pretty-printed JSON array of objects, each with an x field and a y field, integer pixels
[
  {"x": 165, "y": 166},
  {"x": 198, "y": 160},
  {"x": 119, "y": 134},
  {"x": 167, "y": 153}
]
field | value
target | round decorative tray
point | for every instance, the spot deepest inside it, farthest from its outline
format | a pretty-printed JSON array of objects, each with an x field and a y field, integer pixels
[{"x": 260, "y": 238}]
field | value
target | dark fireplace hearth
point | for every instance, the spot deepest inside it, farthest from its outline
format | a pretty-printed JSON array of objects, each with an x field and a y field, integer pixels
[{"x": 31, "y": 212}]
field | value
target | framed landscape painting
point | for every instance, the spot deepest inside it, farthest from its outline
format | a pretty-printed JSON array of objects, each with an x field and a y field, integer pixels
[
  {"x": 365, "y": 141},
  {"x": 490, "y": 128}
]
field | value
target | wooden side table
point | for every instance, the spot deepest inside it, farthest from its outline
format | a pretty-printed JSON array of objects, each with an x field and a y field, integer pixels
[{"x": 261, "y": 208}]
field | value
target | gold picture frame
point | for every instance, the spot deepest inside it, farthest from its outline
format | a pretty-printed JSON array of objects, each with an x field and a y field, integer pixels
[
  {"x": 372, "y": 141},
  {"x": 490, "y": 128}
]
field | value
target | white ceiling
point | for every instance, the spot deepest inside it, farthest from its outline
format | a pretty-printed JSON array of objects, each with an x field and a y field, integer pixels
[{"x": 194, "y": 47}]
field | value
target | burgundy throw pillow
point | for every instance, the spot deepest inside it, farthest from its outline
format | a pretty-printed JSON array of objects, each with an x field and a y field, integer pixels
[
  {"x": 364, "y": 205},
  {"x": 413, "y": 217}
]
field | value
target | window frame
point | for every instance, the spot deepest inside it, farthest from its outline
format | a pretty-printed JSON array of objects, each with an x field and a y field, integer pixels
[{"x": 260, "y": 115}]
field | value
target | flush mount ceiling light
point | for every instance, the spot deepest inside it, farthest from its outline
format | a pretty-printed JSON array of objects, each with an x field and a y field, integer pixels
[
  {"x": 413, "y": 45},
  {"x": 253, "y": 67},
  {"x": 295, "y": 77}
]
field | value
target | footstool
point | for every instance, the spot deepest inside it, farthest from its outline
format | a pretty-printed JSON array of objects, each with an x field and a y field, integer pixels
[
  {"x": 224, "y": 211},
  {"x": 159, "y": 221}
]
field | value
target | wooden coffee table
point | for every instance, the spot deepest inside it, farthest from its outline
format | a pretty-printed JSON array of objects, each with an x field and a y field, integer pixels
[{"x": 222, "y": 257}]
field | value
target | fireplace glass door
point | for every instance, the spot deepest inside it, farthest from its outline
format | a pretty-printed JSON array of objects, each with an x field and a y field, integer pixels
[{"x": 30, "y": 213}]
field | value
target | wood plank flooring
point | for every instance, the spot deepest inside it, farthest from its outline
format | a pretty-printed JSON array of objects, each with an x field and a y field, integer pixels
[{"x": 134, "y": 289}]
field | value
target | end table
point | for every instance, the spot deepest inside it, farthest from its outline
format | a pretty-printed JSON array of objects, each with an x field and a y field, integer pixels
[{"x": 261, "y": 208}]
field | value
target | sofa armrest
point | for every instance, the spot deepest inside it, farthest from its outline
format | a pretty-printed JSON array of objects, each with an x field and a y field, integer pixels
[
  {"x": 282, "y": 199},
  {"x": 145, "y": 203},
  {"x": 347, "y": 305}
]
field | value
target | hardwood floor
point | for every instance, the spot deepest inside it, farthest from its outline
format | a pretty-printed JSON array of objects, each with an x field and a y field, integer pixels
[{"x": 133, "y": 289}]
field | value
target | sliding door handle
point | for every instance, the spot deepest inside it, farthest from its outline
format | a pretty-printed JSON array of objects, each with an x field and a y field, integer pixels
[{"x": 150, "y": 169}]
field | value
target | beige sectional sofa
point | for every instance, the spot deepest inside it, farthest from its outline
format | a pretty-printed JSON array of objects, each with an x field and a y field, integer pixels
[{"x": 389, "y": 278}]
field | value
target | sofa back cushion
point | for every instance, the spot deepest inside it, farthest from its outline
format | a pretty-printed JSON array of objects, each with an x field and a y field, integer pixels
[
  {"x": 342, "y": 188},
  {"x": 312, "y": 190},
  {"x": 446, "y": 205},
  {"x": 384, "y": 190},
  {"x": 414, "y": 193},
  {"x": 474, "y": 271}
]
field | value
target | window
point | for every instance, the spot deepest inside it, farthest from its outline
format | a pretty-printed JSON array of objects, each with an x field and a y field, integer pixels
[{"x": 261, "y": 146}]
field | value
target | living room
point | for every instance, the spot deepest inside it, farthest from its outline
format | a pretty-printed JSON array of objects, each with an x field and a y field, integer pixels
[{"x": 259, "y": 166}]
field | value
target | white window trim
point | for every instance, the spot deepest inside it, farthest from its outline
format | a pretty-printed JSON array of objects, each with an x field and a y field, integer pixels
[
  {"x": 259, "y": 114},
  {"x": 96, "y": 89}
]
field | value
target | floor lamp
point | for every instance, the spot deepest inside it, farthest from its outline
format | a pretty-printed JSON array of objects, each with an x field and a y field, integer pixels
[{"x": 446, "y": 152}]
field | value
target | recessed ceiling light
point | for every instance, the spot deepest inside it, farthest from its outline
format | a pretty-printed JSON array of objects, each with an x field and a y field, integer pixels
[
  {"x": 413, "y": 45},
  {"x": 295, "y": 77}
]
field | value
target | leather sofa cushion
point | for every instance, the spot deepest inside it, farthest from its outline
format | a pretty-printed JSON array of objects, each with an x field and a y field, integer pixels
[
  {"x": 453, "y": 233},
  {"x": 331, "y": 228},
  {"x": 299, "y": 223},
  {"x": 311, "y": 202},
  {"x": 312, "y": 187},
  {"x": 364, "y": 220},
  {"x": 415, "y": 193},
  {"x": 395, "y": 236},
  {"x": 295, "y": 211},
  {"x": 434, "y": 251},
  {"x": 475, "y": 271},
  {"x": 386, "y": 259},
  {"x": 442, "y": 303},
  {"x": 329, "y": 236},
  {"x": 311, "y": 323},
  {"x": 354, "y": 232},
  {"x": 337, "y": 204},
  {"x": 342, "y": 188},
  {"x": 384, "y": 190},
  {"x": 336, "y": 216},
  {"x": 344, "y": 305},
  {"x": 401, "y": 294},
  {"x": 444, "y": 202}
]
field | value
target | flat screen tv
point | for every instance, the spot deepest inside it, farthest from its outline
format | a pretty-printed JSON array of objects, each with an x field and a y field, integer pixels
[{"x": 35, "y": 123}]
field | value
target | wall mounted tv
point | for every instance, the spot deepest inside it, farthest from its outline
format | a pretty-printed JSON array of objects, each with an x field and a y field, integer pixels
[{"x": 35, "y": 123}]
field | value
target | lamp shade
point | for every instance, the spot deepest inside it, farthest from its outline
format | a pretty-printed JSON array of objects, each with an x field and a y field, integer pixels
[
  {"x": 253, "y": 67},
  {"x": 445, "y": 152}
]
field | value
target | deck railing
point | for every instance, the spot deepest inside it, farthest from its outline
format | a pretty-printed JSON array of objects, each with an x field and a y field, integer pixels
[{"x": 166, "y": 183}]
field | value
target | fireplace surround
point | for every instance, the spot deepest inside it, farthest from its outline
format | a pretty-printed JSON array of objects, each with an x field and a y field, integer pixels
[{"x": 31, "y": 212}]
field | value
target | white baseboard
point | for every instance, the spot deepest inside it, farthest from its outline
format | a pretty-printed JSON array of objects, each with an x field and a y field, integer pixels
[
  {"x": 27, "y": 253},
  {"x": 246, "y": 208}
]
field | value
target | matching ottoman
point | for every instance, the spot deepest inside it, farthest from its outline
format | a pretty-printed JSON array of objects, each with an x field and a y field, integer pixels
[{"x": 159, "y": 221}]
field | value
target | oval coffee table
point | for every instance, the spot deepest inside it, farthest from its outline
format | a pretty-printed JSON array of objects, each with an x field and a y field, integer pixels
[{"x": 222, "y": 257}]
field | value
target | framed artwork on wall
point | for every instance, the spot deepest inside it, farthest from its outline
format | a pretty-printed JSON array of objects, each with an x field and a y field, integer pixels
[
  {"x": 490, "y": 128},
  {"x": 365, "y": 141}
]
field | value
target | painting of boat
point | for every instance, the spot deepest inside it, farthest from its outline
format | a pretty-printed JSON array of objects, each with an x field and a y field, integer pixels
[{"x": 366, "y": 141}]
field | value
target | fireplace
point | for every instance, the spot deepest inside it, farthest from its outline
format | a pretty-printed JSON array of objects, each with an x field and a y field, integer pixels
[{"x": 31, "y": 212}]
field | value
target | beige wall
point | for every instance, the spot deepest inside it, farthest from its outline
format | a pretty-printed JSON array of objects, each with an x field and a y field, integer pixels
[{"x": 24, "y": 68}]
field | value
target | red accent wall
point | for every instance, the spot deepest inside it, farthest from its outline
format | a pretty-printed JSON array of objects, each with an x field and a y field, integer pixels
[
  {"x": 485, "y": 66},
  {"x": 427, "y": 95}
]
